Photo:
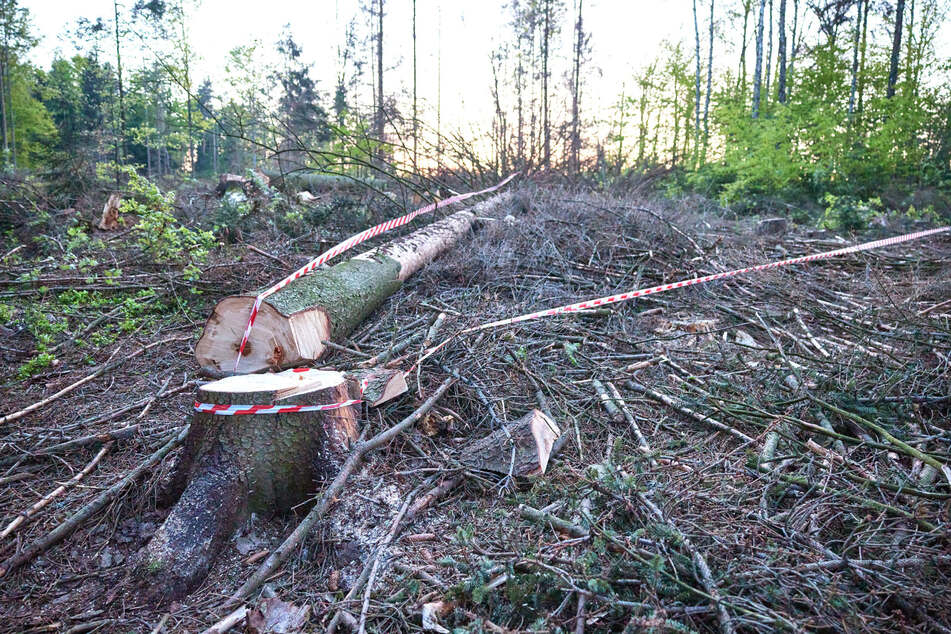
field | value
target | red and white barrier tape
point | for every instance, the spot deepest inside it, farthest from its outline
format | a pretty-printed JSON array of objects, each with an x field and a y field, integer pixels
[
  {"x": 348, "y": 244},
  {"x": 236, "y": 410},
  {"x": 612, "y": 299}
]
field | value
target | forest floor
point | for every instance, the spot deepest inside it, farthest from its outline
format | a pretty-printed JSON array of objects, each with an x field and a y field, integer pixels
[{"x": 785, "y": 475}]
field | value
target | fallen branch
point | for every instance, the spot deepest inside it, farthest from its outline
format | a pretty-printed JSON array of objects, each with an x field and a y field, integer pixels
[
  {"x": 678, "y": 405},
  {"x": 49, "y": 497},
  {"x": 282, "y": 552},
  {"x": 102, "y": 370},
  {"x": 902, "y": 446},
  {"x": 87, "y": 511},
  {"x": 700, "y": 564}
]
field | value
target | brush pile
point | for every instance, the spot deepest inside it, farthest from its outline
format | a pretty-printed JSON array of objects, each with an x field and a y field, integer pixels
[{"x": 765, "y": 452}]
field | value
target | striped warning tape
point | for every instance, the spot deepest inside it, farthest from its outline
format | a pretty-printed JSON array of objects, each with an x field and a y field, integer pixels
[
  {"x": 348, "y": 244},
  {"x": 621, "y": 297},
  {"x": 237, "y": 410}
]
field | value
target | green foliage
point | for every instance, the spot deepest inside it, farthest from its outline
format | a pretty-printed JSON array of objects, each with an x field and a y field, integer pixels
[
  {"x": 157, "y": 231},
  {"x": 816, "y": 144},
  {"x": 44, "y": 328},
  {"x": 464, "y": 534},
  {"x": 570, "y": 350},
  {"x": 848, "y": 213},
  {"x": 35, "y": 365},
  {"x": 35, "y": 131}
]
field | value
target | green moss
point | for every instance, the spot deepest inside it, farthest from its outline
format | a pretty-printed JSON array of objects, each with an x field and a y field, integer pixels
[{"x": 348, "y": 292}]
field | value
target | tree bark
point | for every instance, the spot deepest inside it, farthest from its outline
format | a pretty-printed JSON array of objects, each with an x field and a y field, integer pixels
[
  {"x": 781, "y": 63},
  {"x": 576, "y": 94},
  {"x": 769, "y": 54},
  {"x": 758, "y": 74},
  {"x": 794, "y": 47},
  {"x": 696, "y": 109},
  {"x": 896, "y": 50},
  {"x": 120, "y": 124},
  {"x": 4, "y": 106},
  {"x": 706, "y": 99},
  {"x": 327, "y": 304},
  {"x": 232, "y": 466},
  {"x": 855, "y": 58},
  {"x": 380, "y": 120},
  {"x": 741, "y": 73},
  {"x": 415, "y": 114},
  {"x": 546, "y": 50},
  {"x": 861, "y": 73}
]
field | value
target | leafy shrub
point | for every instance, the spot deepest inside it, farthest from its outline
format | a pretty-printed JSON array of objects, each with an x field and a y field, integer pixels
[
  {"x": 848, "y": 213},
  {"x": 35, "y": 365},
  {"x": 157, "y": 231}
]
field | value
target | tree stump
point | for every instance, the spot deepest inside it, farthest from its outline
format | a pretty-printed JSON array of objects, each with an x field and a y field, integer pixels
[{"x": 234, "y": 465}]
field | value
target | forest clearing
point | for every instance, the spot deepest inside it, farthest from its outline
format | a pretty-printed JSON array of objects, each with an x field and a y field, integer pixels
[{"x": 285, "y": 358}]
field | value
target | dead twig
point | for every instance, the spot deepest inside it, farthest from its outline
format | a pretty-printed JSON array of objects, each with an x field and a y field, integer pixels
[
  {"x": 49, "y": 497},
  {"x": 282, "y": 552},
  {"x": 106, "y": 367},
  {"x": 87, "y": 511}
]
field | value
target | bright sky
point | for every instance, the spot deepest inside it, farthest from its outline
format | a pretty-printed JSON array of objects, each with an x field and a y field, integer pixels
[
  {"x": 625, "y": 35},
  {"x": 470, "y": 31}
]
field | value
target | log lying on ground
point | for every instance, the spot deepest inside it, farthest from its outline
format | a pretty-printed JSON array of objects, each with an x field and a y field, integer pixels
[
  {"x": 377, "y": 385},
  {"x": 534, "y": 438},
  {"x": 232, "y": 466},
  {"x": 327, "y": 304}
]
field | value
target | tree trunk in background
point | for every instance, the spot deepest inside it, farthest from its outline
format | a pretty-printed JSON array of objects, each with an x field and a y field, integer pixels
[
  {"x": 644, "y": 85},
  {"x": 896, "y": 49},
  {"x": 741, "y": 73},
  {"x": 861, "y": 73},
  {"x": 781, "y": 62},
  {"x": 706, "y": 100},
  {"x": 622, "y": 114},
  {"x": 769, "y": 56},
  {"x": 758, "y": 73},
  {"x": 576, "y": 95},
  {"x": 4, "y": 106},
  {"x": 192, "y": 158},
  {"x": 379, "y": 121},
  {"x": 546, "y": 50},
  {"x": 855, "y": 58},
  {"x": 415, "y": 114},
  {"x": 794, "y": 47},
  {"x": 120, "y": 124},
  {"x": 13, "y": 122},
  {"x": 499, "y": 128},
  {"x": 696, "y": 111},
  {"x": 520, "y": 106},
  {"x": 439, "y": 87},
  {"x": 909, "y": 48}
]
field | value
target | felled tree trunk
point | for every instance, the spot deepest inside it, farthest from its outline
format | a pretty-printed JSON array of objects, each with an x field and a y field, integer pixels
[
  {"x": 327, "y": 304},
  {"x": 235, "y": 465}
]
